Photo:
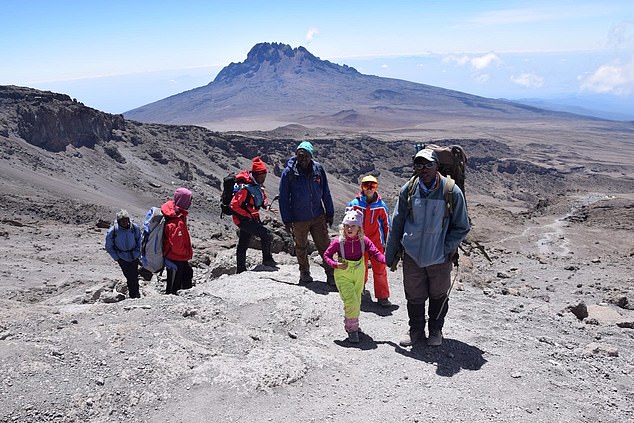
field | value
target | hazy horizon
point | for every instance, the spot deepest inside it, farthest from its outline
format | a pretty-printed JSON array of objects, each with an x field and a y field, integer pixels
[{"x": 115, "y": 62}]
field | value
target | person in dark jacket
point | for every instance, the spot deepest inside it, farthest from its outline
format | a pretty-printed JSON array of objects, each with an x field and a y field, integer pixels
[
  {"x": 306, "y": 207},
  {"x": 247, "y": 201},
  {"x": 123, "y": 243},
  {"x": 428, "y": 234},
  {"x": 177, "y": 246}
]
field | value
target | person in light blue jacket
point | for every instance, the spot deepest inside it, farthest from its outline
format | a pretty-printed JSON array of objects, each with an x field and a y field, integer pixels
[
  {"x": 427, "y": 231},
  {"x": 123, "y": 243},
  {"x": 306, "y": 207}
]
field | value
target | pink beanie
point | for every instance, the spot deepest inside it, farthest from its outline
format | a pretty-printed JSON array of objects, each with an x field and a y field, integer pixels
[
  {"x": 183, "y": 198},
  {"x": 353, "y": 217}
]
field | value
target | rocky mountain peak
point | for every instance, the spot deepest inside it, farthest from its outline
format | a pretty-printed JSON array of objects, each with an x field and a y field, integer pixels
[{"x": 269, "y": 58}]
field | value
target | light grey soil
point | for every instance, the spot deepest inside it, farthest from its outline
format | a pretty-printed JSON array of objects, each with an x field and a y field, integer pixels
[{"x": 259, "y": 347}]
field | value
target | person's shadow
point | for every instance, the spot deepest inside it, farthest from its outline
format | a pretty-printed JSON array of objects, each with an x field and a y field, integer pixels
[
  {"x": 318, "y": 287},
  {"x": 451, "y": 357},
  {"x": 365, "y": 342},
  {"x": 369, "y": 306}
]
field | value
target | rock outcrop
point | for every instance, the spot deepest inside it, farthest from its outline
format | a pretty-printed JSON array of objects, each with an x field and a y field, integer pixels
[{"x": 52, "y": 121}]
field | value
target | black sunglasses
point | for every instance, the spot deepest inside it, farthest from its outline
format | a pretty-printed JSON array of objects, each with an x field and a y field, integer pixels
[{"x": 428, "y": 165}]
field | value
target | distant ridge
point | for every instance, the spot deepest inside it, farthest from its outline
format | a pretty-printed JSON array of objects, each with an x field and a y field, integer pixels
[{"x": 278, "y": 85}]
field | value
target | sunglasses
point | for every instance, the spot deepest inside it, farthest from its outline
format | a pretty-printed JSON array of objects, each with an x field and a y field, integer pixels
[
  {"x": 428, "y": 165},
  {"x": 369, "y": 185}
]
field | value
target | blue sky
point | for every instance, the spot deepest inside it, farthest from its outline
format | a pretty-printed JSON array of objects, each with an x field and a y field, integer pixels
[{"x": 117, "y": 55}]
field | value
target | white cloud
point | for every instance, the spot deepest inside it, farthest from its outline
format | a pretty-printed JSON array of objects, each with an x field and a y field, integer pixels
[
  {"x": 385, "y": 66},
  {"x": 615, "y": 77},
  {"x": 482, "y": 62},
  {"x": 528, "y": 80},
  {"x": 311, "y": 33},
  {"x": 477, "y": 63}
]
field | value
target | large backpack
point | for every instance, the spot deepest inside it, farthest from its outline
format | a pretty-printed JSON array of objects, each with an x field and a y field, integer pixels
[
  {"x": 152, "y": 240},
  {"x": 452, "y": 161},
  {"x": 228, "y": 190}
]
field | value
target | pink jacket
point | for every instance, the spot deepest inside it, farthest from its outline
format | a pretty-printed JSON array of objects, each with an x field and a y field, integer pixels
[{"x": 352, "y": 250}]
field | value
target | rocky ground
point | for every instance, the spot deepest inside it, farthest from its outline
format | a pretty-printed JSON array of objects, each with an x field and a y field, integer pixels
[
  {"x": 542, "y": 332},
  {"x": 540, "y": 326}
]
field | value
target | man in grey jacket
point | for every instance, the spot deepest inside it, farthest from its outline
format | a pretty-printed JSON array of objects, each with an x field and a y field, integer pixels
[{"x": 427, "y": 231}]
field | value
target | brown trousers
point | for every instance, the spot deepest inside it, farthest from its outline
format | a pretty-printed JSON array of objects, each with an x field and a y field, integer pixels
[
  {"x": 318, "y": 229},
  {"x": 421, "y": 283}
]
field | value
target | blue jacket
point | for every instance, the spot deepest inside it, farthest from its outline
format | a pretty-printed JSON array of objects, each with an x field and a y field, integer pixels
[
  {"x": 425, "y": 235},
  {"x": 376, "y": 218},
  {"x": 124, "y": 244},
  {"x": 304, "y": 197}
]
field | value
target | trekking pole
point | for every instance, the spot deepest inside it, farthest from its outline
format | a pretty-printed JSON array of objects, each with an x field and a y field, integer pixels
[{"x": 444, "y": 301}]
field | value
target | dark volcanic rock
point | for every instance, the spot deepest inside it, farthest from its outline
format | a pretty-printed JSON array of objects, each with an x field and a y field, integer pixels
[{"x": 53, "y": 121}]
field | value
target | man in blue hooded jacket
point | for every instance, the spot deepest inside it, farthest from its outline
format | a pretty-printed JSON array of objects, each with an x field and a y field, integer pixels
[
  {"x": 306, "y": 207},
  {"x": 123, "y": 243},
  {"x": 428, "y": 233}
]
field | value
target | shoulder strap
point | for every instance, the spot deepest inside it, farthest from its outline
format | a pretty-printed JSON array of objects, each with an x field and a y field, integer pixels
[
  {"x": 114, "y": 235},
  {"x": 411, "y": 188},
  {"x": 341, "y": 249},
  {"x": 448, "y": 195}
]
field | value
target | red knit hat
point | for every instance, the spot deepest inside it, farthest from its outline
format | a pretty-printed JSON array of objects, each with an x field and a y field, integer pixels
[{"x": 258, "y": 167}]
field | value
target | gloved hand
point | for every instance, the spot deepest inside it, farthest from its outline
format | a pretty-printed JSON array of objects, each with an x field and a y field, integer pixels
[
  {"x": 453, "y": 257},
  {"x": 329, "y": 220},
  {"x": 170, "y": 264}
]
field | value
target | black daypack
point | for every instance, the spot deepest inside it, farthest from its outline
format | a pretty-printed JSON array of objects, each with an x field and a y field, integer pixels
[{"x": 228, "y": 191}]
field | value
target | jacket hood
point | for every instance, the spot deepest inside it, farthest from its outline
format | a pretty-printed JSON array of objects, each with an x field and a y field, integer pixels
[
  {"x": 291, "y": 162},
  {"x": 169, "y": 209},
  {"x": 245, "y": 177}
]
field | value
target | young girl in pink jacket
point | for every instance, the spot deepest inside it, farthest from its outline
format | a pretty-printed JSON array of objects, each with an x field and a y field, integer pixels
[{"x": 350, "y": 267}]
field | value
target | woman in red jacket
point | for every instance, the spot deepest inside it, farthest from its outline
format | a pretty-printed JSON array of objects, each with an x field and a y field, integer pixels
[{"x": 177, "y": 246}]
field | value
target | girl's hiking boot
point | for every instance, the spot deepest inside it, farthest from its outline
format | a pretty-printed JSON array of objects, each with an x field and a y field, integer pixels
[
  {"x": 412, "y": 337},
  {"x": 353, "y": 337}
]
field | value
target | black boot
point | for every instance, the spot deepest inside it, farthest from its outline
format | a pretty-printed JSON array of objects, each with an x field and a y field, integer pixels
[
  {"x": 437, "y": 311},
  {"x": 416, "y": 332}
]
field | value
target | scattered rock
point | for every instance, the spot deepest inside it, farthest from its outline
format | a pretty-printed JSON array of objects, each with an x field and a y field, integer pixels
[
  {"x": 596, "y": 348},
  {"x": 580, "y": 310},
  {"x": 619, "y": 300},
  {"x": 112, "y": 297}
]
